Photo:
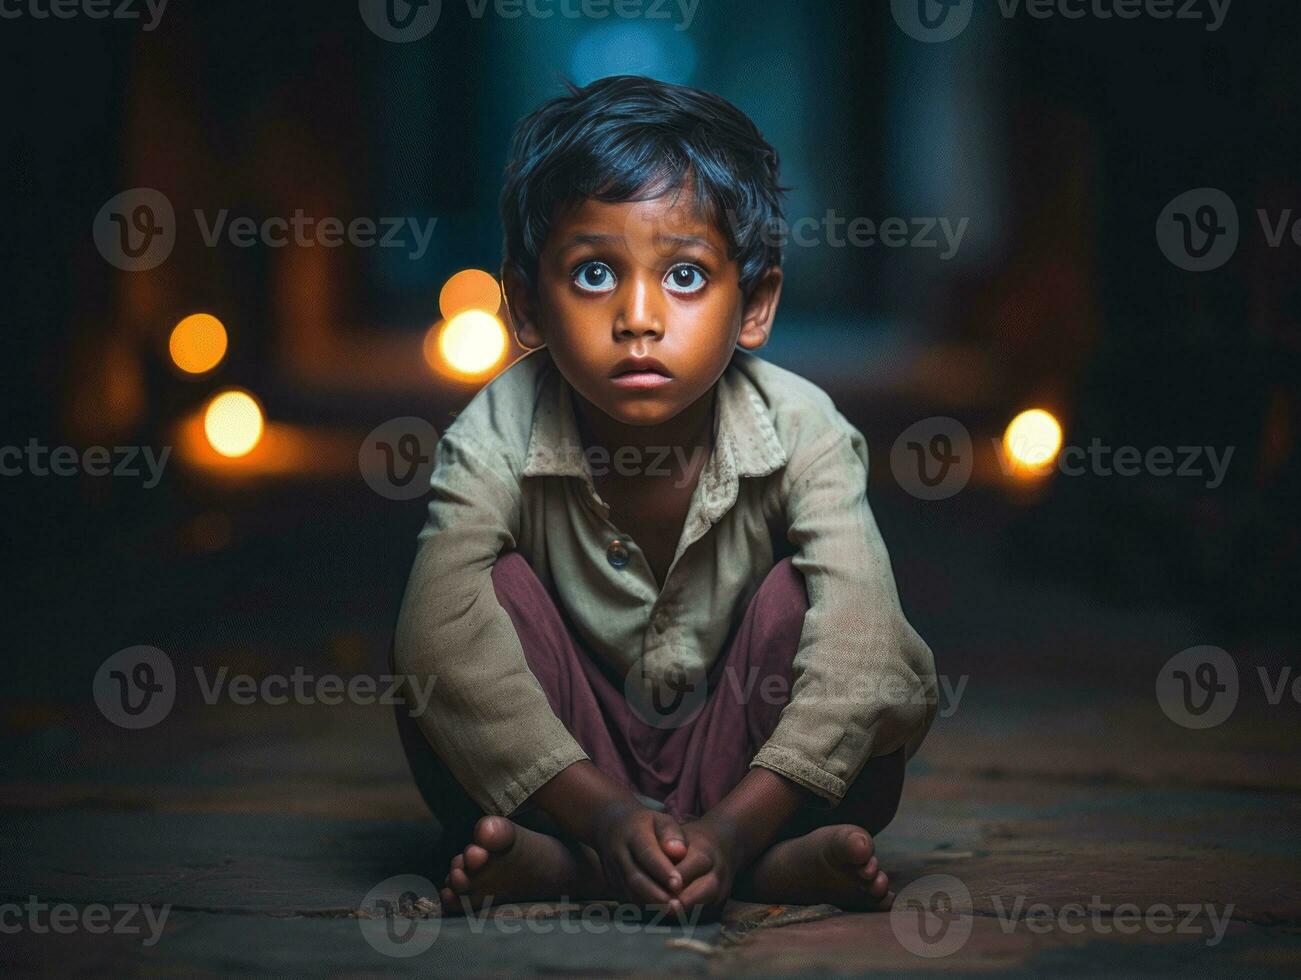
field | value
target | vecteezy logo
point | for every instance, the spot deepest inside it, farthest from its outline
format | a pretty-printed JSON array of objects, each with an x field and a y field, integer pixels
[
  {"x": 401, "y": 21},
  {"x": 669, "y": 697},
  {"x": 932, "y": 459},
  {"x": 401, "y": 916},
  {"x": 136, "y": 230},
  {"x": 397, "y": 458},
  {"x": 1198, "y": 687},
  {"x": 932, "y": 21},
  {"x": 932, "y": 916},
  {"x": 1198, "y": 230},
  {"x": 135, "y": 687}
]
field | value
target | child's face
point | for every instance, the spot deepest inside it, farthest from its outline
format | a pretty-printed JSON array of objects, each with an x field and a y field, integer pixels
[{"x": 640, "y": 279}]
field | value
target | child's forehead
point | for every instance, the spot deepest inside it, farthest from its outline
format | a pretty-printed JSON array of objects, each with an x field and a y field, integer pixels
[{"x": 673, "y": 214}]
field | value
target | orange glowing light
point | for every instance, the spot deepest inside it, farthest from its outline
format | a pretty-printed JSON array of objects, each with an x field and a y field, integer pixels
[
  {"x": 468, "y": 345},
  {"x": 198, "y": 343},
  {"x": 1032, "y": 441},
  {"x": 469, "y": 289},
  {"x": 233, "y": 423}
]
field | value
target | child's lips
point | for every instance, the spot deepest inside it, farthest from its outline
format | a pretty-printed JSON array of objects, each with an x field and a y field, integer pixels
[
  {"x": 640, "y": 372},
  {"x": 640, "y": 379}
]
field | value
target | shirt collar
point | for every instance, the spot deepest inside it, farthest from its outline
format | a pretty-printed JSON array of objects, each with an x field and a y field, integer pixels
[{"x": 745, "y": 442}]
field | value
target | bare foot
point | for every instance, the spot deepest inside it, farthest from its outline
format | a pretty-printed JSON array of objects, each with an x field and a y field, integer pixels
[
  {"x": 509, "y": 863},
  {"x": 836, "y": 865}
]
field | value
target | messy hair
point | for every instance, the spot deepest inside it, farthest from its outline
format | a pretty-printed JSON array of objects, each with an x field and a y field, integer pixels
[{"x": 630, "y": 138}]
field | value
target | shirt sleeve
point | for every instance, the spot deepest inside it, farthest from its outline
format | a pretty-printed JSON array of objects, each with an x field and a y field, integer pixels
[
  {"x": 487, "y": 716},
  {"x": 864, "y": 681}
]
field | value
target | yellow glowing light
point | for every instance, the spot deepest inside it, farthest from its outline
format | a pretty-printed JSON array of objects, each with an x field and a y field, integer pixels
[
  {"x": 233, "y": 423},
  {"x": 1032, "y": 440},
  {"x": 471, "y": 343},
  {"x": 198, "y": 343},
  {"x": 469, "y": 289}
]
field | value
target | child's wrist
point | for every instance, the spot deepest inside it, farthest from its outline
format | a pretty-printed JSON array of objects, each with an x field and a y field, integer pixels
[{"x": 583, "y": 801}]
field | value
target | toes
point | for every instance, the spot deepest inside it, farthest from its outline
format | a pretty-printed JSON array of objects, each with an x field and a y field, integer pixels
[
  {"x": 459, "y": 881},
  {"x": 494, "y": 834},
  {"x": 868, "y": 871},
  {"x": 850, "y": 846},
  {"x": 475, "y": 858},
  {"x": 879, "y": 886},
  {"x": 448, "y": 899},
  {"x": 458, "y": 861}
]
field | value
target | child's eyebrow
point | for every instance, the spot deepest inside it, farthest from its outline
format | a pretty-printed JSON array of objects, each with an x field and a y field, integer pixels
[{"x": 599, "y": 238}]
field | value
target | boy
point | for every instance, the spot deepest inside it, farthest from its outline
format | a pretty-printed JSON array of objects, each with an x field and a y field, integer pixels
[{"x": 636, "y": 694}]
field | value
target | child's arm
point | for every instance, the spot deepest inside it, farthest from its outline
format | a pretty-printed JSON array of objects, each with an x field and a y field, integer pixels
[
  {"x": 637, "y": 846},
  {"x": 864, "y": 682},
  {"x": 482, "y": 710},
  {"x": 486, "y": 716}
]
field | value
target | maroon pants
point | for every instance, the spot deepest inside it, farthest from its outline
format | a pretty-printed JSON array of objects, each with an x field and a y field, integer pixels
[{"x": 685, "y": 750}]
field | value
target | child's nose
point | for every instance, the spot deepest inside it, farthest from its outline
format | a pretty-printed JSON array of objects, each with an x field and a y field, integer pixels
[{"x": 640, "y": 314}]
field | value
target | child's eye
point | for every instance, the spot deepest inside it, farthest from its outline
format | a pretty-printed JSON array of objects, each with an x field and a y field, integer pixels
[
  {"x": 685, "y": 279},
  {"x": 594, "y": 277}
]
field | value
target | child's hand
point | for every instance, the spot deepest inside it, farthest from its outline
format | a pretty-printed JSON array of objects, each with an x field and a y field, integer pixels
[
  {"x": 638, "y": 847},
  {"x": 709, "y": 868}
]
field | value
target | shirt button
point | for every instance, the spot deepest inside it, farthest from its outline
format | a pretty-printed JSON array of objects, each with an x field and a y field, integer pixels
[{"x": 617, "y": 553}]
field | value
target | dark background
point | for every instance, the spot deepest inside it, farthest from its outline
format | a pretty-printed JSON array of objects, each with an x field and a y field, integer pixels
[{"x": 1060, "y": 140}]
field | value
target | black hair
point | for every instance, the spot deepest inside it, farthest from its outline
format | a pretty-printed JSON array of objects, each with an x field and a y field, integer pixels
[{"x": 628, "y": 137}]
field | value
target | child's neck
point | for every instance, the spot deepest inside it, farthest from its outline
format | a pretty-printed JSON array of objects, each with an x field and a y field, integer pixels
[{"x": 691, "y": 429}]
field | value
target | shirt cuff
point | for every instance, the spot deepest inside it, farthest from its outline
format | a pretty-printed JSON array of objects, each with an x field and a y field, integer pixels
[
  {"x": 506, "y": 801},
  {"x": 799, "y": 769}
]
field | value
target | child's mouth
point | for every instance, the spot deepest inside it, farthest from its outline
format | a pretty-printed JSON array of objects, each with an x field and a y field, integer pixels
[
  {"x": 641, "y": 379},
  {"x": 640, "y": 372}
]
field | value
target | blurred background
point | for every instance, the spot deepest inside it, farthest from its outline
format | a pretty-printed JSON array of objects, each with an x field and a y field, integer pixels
[{"x": 1053, "y": 144}]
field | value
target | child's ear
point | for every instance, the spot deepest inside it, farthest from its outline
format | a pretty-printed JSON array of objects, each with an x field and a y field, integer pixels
[
  {"x": 760, "y": 310},
  {"x": 522, "y": 308}
]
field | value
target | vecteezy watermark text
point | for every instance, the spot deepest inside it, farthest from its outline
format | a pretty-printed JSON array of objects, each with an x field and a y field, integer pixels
[
  {"x": 136, "y": 230},
  {"x": 933, "y": 917},
  {"x": 36, "y": 459},
  {"x": 64, "y": 918},
  {"x": 937, "y": 21},
  {"x": 90, "y": 9},
  {"x": 1098, "y": 459},
  {"x": 405, "y": 21},
  {"x": 308, "y": 231},
  {"x": 1103, "y": 918},
  {"x": 941, "y": 234},
  {"x": 137, "y": 687}
]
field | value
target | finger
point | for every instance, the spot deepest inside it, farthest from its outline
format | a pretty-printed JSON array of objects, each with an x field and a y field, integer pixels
[
  {"x": 672, "y": 840},
  {"x": 704, "y": 891},
  {"x": 650, "y": 858},
  {"x": 695, "y": 864},
  {"x": 643, "y": 889}
]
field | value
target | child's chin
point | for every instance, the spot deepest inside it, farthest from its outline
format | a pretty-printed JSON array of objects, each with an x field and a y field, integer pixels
[{"x": 644, "y": 414}]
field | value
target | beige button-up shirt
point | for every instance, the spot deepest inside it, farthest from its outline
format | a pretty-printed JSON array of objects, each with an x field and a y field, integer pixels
[{"x": 787, "y": 474}]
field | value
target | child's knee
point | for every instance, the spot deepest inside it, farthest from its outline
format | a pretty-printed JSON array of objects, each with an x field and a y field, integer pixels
[{"x": 781, "y": 603}]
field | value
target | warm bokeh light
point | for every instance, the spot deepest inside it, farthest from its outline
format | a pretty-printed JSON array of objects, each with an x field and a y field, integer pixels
[
  {"x": 233, "y": 423},
  {"x": 1032, "y": 441},
  {"x": 198, "y": 343},
  {"x": 469, "y": 289},
  {"x": 468, "y": 345}
]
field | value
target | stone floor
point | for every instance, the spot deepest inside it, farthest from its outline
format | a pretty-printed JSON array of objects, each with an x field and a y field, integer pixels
[
  {"x": 1055, "y": 821},
  {"x": 262, "y": 828}
]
